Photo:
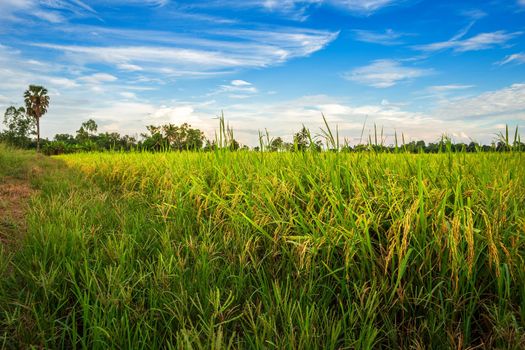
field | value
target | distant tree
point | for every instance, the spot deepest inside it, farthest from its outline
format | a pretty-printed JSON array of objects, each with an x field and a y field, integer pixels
[
  {"x": 234, "y": 145},
  {"x": 210, "y": 146},
  {"x": 276, "y": 144},
  {"x": 90, "y": 126},
  {"x": 108, "y": 140},
  {"x": 183, "y": 137},
  {"x": 301, "y": 139},
  {"x": 66, "y": 138},
  {"x": 194, "y": 139},
  {"x": 87, "y": 130},
  {"x": 154, "y": 140},
  {"x": 19, "y": 126},
  {"x": 37, "y": 103},
  {"x": 180, "y": 138}
]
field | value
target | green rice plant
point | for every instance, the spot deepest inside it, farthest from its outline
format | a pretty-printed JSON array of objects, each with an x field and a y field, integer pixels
[{"x": 301, "y": 250}]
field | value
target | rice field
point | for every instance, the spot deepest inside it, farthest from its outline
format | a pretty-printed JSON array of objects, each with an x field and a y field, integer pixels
[{"x": 295, "y": 250}]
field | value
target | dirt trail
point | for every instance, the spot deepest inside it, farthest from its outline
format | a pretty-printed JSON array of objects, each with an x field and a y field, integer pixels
[{"x": 14, "y": 200}]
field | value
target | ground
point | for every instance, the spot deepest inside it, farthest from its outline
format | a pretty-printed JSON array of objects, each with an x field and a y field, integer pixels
[{"x": 14, "y": 201}]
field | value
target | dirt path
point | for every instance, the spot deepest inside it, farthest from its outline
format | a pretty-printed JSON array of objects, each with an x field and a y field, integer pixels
[{"x": 14, "y": 200}]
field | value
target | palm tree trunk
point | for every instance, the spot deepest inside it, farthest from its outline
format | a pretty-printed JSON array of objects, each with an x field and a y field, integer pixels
[{"x": 38, "y": 134}]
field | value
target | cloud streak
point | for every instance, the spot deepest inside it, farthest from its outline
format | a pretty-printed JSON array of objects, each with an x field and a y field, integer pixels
[
  {"x": 517, "y": 58},
  {"x": 388, "y": 37},
  {"x": 478, "y": 42},
  {"x": 198, "y": 57},
  {"x": 385, "y": 73}
]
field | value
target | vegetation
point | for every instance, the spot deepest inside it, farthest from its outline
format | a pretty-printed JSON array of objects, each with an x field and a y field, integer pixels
[
  {"x": 268, "y": 250},
  {"x": 178, "y": 241},
  {"x": 37, "y": 103},
  {"x": 19, "y": 126}
]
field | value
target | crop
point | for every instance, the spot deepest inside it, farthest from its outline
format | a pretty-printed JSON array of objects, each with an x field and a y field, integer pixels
[{"x": 270, "y": 250}]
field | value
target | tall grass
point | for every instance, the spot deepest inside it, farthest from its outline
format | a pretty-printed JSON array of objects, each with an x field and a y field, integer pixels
[{"x": 291, "y": 250}]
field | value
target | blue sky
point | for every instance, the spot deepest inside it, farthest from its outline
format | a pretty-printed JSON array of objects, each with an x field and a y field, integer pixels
[{"x": 418, "y": 67}]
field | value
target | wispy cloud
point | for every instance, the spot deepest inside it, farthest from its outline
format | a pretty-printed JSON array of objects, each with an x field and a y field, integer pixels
[
  {"x": 154, "y": 3},
  {"x": 296, "y": 8},
  {"x": 505, "y": 104},
  {"x": 518, "y": 58},
  {"x": 53, "y": 11},
  {"x": 299, "y": 9},
  {"x": 478, "y": 42},
  {"x": 388, "y": 37},
  {"x": 475, "y": 14},
  {"x": 385, "y": 73},
  {"x": 236, "y": 89},
  {"x": 451, "y": 87},
  {"x": 98, "y": 78},
  {"x": 363, "y": 6},
  {"x": 187, "y": 57}
]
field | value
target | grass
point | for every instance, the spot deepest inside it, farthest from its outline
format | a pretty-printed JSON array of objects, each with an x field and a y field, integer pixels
[{"x": 269, "y": 250}]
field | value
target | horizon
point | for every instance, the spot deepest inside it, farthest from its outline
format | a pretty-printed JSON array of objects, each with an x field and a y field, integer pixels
[{"x": 270, "y": 65}]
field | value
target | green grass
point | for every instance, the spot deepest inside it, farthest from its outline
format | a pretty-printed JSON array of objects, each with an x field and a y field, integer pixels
[{"x": 269, "y": 250}]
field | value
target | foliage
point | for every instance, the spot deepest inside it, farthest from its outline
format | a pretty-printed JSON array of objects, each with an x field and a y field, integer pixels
[
  {"x": 19, "y": 126},
  {"x": 87, "y": 131},
  {"x": 303, "y": 140},
  {"x": 37, "y": 103},
  {"x": 285, "y": 250}
]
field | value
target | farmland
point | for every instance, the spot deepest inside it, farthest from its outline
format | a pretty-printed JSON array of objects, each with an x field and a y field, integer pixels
[{"x": 266, "y": 250}]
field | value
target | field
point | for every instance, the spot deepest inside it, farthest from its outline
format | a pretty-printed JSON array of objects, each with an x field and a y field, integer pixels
[{"x": 292, "y": 250}]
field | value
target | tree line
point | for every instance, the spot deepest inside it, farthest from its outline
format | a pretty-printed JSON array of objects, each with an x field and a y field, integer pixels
[{"x": 22, "y": 124}]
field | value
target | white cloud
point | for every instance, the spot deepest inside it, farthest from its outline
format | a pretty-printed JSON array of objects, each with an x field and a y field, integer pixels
[
  {"x": 240, "y": 83},
  {"x": 299, "y": 9},
  {"x": 129, "y": 67},
  {"x": 155, "y": 3},
  {"x": 294, "y": 8},
  {"x": 194, "y": 56},
  {"x": 53, "y": 11},
  {"x": 451, "y": 87},
  {"x": 62, "y": 82},
  {"x": 505, "y": 104},
  {"x": 365, "y": 6},
  {"x": 98, "y": 78},
  {"x": 475, "y": 14},
  {"x": 385, "y": 73},
  {"x": 388, "y": 37},
  {"x": 361, "y": 6},
  {"x": 518, "y": 58},
  {"x": 128, "y": 95},
  {"x": 50, "y": 16},
  {"x": 478, "y": 42},
  {"x": 236, "y": 89}
]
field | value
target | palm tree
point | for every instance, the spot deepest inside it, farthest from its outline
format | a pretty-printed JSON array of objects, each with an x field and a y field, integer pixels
[{"x": 37, "y": 102}]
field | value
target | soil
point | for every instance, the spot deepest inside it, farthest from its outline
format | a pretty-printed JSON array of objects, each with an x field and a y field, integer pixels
[{"x": 14, "y": 201}]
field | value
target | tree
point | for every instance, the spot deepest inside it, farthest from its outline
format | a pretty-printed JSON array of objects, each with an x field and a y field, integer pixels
[
  {"x": 183, "y": 137},
  {"x": 19, "y": 126},
  {"x": 179, "y": 138},
  {"x": 90, "y": 126},
  {"x": 276, "y": 144},
  {"x": 87, "y": 130},
  {"x": 154, "y": 141},
  {"x": 66, "y": 138},
  {"x": 37, "y": 103},
  {"x": 301, "y": 139}
]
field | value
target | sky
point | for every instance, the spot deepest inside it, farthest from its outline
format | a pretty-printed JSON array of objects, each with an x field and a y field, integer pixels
[{"x": 421, "y": 68}]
